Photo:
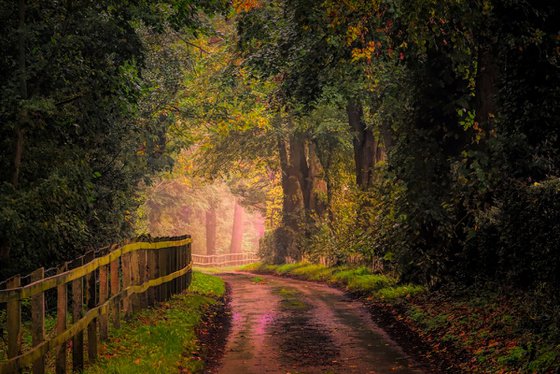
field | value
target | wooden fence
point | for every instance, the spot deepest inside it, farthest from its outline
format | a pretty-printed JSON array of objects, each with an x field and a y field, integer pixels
[
  {"x": 230, "y": 259},
  {"x": 93, "y": 292}
]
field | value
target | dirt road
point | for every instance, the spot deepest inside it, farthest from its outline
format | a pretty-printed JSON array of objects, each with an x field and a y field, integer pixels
[{"x": 282, "y": 325}]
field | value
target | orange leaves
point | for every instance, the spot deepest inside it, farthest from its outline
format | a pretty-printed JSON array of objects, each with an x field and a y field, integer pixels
[
  {"x": 241, "y": 6},
  {"x": 367, "y": 52}
]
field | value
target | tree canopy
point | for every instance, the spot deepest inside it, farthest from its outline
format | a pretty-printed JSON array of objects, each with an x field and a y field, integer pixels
[{"x": 417, "y": 137}]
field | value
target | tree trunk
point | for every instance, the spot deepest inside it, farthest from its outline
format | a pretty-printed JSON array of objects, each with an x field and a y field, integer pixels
[
  {"x": 237, "y": 231},
  {"x": 486, "y": 89},
  {"x": 292, "y": 194},
  {"x": 211, "y": 231},
  {"x": 317, "y": 185},
  {"x": 365, "y": 148},
  {"x": 299, "y": 168},
  {"x": 292, "y": 203}
]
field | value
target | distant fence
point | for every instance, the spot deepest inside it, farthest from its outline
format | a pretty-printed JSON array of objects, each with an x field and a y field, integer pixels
[
  {"x": 229, "y": 259},
  {"x": 100, "y": 286}
]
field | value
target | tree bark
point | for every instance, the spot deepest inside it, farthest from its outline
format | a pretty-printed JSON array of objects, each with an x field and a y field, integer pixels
[
  {"x": 211, "y": 223},
  {"x": 237, "y": 231},
  {"x": 317, "y": 185},
  {"x": 365, "y": 146},
  {"x": 292, "y": 203}
]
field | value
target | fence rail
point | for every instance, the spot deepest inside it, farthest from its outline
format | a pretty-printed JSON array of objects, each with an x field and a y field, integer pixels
[
  {"x": 229, "y": 259},
  {"x": 125, "y": 279}
]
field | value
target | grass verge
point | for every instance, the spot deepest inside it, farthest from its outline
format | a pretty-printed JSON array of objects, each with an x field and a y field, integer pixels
[
  {"x": 359, "y": 280},
  {"x": 162, "y": 339}
]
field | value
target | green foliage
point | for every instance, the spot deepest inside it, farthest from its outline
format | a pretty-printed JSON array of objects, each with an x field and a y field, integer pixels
[
  {"x": 543, "y": 362},
  {"x": 82, "y": 93},
  {"x": 514, "y": 357}
]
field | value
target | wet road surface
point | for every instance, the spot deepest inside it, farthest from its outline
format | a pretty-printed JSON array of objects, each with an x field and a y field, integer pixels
[{"x": 282, "y": 325}]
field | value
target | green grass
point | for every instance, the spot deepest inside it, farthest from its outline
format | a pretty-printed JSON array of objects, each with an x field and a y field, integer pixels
[
  {"x": 162, "y": 339},
  {"x": 207, "y": 285},
  {"x": 218, "y": 270},
  {"x": 359, "y": 280},
  {"x": 287, "y": 268},
  {"x": 313, "y": 272},
  {"x": 343, "y": 275},
  {"x": 396, "y": 292},
  {"x": 369, "y": 283}
]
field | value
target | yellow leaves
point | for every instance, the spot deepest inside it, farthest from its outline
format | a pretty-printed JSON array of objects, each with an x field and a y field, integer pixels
[
  {"x": 366, "y": 53},
  {"x": 353, "y": 33},
  {"x": 241, "y": 6}
]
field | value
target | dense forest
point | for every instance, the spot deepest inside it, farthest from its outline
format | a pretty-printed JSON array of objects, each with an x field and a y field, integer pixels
[{"x": 419, "y": 138}]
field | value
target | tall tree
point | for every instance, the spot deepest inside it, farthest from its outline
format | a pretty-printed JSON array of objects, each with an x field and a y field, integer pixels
[
  {"x": 238, "y": 229},
  {"x": 211, "y": 227},
  {"x": 74, "y": 146}
]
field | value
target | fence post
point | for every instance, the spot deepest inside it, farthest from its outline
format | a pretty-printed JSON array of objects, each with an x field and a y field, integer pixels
[
  {"x": 182, "y": 266},
  {"x": 152, "y": 274},
  {"x": 38, "y": 321},
  {"x": 61, "y": 305},
  {"x": 78, "y": 339},
  {"x": 126, "y": 278},
  {"x": 142, "y": 267},
  {"x": 188, "y": 276},
  {"x": 91, "y": 303},
  {"x": 14, "y": 320},
  {"x": 168, "y": 270},
  {"x": 115, "y": 289},
  {"x": 174, "y": 269},
  {"x": 135, "y": 279},
  {"x": 162, "y": 272},
  {"x": 103, "y": 295}
]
